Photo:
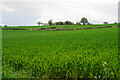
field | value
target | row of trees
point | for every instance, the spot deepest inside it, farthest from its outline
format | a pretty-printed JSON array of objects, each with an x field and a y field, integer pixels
[{"x": 83, "y": 21}]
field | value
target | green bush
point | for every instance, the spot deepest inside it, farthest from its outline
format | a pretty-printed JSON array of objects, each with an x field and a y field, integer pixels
[{"x": 5, "y": 26}]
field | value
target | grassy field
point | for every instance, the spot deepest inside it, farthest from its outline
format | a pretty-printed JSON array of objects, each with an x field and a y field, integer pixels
[
  {"x": 0, "y": 53},
  {"x": 85, "y": 26},
  {"x": 32, "y": 27},
  {"x": 60, "y": 54},
  {"x": 61, "y": 26}
]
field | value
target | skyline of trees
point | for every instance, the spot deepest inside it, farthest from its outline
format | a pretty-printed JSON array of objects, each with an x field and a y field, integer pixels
[
  {"x": 68, "y": 22},
  {"x": 106, "y": 22},
  {"x": 83, "y": 21}
]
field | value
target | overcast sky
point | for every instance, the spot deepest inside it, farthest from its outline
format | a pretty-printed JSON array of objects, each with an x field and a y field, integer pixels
[{"x": 28, "y": 12}]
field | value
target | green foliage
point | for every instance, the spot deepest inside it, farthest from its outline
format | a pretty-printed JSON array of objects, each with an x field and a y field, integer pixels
[
  {"x": 60, "y": 54},
  {"x": 77, "y": 23},
  {"x": 115, "y": 22},
  {"x": 39, "y": 23},
  {"x": 59, "y": 23},
  {"x": 50, "y": 22},
  {"x": 105, "y": 22},
  {"x": 84, "y": 21},
  {"x": 5, "y": 26},
  {"x": 68, "y": 22}
]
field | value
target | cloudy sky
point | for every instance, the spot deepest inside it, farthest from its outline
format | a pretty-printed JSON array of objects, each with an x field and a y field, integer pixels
[{"x": 28, "y": 12}]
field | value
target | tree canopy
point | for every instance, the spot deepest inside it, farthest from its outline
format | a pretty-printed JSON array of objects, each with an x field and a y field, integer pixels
[
  {"x": 50, "y": 22},
  {"x": 84, "y": 21},
  {"x": 68, "y": 22},
  {"x": 105, "y": 22},
  {"x": 39, "y": 23}
]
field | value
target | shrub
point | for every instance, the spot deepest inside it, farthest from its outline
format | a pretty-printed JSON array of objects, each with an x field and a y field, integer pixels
[
  {"x": 84, "y": 21},
  {"x": 115, "y": 22},
  {"x": 105, "y": 22},
  {"x": 5, "y": 26},
  {"x": 88, "y": 23}
]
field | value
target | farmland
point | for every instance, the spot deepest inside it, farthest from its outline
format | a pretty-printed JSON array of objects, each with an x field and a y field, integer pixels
[
  {"x": 0, "y": 53},
  {"x": 86, "y": 26},
  {"x": 60, "y": 54},
  {"x": 59, "y": 26}
]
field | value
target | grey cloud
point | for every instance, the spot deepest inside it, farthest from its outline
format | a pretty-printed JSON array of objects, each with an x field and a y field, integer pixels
[
  {"x": 59, "y": 10},
  {"x": 22, "y": 15}
]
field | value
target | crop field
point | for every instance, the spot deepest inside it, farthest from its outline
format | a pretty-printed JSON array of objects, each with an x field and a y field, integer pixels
[
  {"x": 60, "y": 26},
  {"x": 31, "y": 27},
  {"x": 0, "y": 53},
  {"x": 91, "y": 53}
]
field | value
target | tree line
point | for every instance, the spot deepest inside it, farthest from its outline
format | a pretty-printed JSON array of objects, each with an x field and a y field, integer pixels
[{"x": 83, "y": 21}]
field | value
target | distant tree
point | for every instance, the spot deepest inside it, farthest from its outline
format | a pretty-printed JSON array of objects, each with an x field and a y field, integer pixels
[
  {"x": 56, "y": 23},
  {"x": 5, "y": 26},
  {"x": 78, "y": 23},
  {"x": 59, "y": 23},
  {"x": 105, "y": 22},
  {"x": 84, "y": 21},
  {"x": 115, "y": 22},
  {"x": 50, "y": 22},
  {"x": 72, "y": 23},
  {"x": 39, "y": 23},
  {"x": 88, "y": 23},
  {"x": 68, "y": 22}
]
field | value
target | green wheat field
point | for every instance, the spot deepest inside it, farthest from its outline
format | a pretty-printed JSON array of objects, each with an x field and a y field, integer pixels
[{"x": 89, "y": 53}]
